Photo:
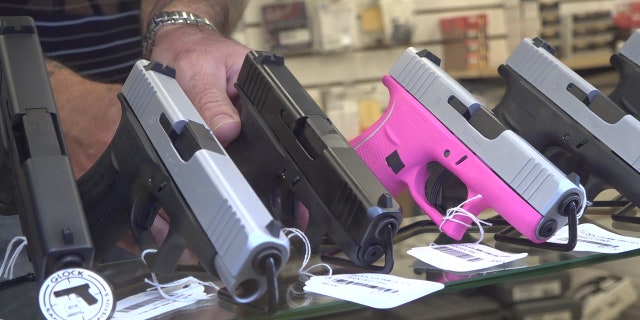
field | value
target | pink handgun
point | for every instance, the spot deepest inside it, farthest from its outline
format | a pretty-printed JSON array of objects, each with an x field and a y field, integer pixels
[{"x": 431, "y": 117}]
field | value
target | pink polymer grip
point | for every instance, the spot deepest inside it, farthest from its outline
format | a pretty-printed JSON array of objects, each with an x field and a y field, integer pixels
[{"x": 410, "y": 130}]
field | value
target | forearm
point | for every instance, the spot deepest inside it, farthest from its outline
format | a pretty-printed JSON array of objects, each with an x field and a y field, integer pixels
[
  {"x": 89, "y": 112},
  {"x": 224, "y": 14}
]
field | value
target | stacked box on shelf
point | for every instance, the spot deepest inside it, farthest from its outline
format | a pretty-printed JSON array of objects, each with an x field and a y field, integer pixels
[
  {"x": 588, "y": 32},
  {"x": 628, "y": 15},
  {"x": 287, "y": 27},
  {"x": 626, "y": 19},
  {"x": 550, "y": 24},
  {"x": 635, "y": 14},
  {"x": 529, "y": 20},
  {"x": 465, "y": 42},
  {"x": 540, "y": 297}
]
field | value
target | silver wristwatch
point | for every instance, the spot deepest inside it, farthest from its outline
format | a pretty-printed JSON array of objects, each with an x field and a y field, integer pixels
[{"x": 164, "y": 18}]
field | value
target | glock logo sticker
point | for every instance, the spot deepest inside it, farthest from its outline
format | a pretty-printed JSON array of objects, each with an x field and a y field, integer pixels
[{"x": 76, "y": 293}]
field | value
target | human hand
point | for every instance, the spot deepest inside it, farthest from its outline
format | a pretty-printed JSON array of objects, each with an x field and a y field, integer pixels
[
  {"x": 207, "y": 66},
  {"x": 89, "y": 112}
]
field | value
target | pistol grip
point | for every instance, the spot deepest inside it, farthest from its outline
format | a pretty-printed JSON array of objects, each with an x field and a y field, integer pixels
[
  {"x": 116, "y": 186},
  {"x": 102, "y": 199},
  {"x": 143, "y": 213},
  {"x": 563, "y": 140},
  {"x": 454, "y": 229},
  {"x": 397, "y": 150}
]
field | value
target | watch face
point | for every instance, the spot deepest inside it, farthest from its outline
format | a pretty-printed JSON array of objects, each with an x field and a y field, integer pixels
[{"x": 76, "y": 293}]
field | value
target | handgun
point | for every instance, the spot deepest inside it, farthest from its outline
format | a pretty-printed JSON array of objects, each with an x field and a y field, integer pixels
[
  {"x": 36, "y": 179},
  {"x": 431, "y": 119},
  {"x": 627, "y": 62},
  {"x": 568, "y": 120},
  {"x": 292, "y": 154},
  {"x": 81, "y": 291},
  {"x": 163, "y": 156}
]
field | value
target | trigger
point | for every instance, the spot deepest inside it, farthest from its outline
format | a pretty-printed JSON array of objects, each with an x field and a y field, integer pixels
[
  {"x": 443, "y": 189},
  {"x": 144, "y": 212},
  {"x": 283, "y": 204}
]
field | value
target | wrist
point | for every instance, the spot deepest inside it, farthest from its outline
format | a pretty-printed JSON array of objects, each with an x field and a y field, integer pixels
[
  {"x": 167, "y": 19},
  {"x": 89, "y": 113},
  {"x": 224, "y": 14},
  {"x": 208, "y": 9}
]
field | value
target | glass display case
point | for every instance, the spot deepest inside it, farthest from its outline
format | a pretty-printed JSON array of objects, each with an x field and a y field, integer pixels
[{"x": 127, "y": 276}]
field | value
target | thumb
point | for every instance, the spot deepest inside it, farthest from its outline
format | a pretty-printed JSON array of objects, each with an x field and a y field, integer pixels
[
  {"x": 216, "y": 109},
  {"x": 225, "y": 127}
]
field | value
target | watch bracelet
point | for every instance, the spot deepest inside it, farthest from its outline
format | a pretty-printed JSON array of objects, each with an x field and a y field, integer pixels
[{"x": 165, "y": 18}]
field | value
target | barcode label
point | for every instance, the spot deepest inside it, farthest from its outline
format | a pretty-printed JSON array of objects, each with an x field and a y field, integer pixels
[
  {"x": 141, "y": 304},
  {"x": 593, "y": 238},
  {"x": 600, "y": 244},
  {"x": 371, "y": 289},
  {"x": 149, "y": 304},
  {"x": 366, "y": 285},
  {"x": 464, "y": 257},
  {"x": 457, "y": 253}
]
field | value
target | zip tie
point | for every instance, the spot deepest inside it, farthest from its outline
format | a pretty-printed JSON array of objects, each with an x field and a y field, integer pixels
[{"x": 458, "y": 210}]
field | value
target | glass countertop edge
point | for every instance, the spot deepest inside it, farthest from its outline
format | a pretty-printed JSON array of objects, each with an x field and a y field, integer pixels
[
  {"x": 311, "y": 311},
  {"x": 582, "y": 259},
  {"x": 530, "y": 271},
  {"x": 454, "y": 286}
]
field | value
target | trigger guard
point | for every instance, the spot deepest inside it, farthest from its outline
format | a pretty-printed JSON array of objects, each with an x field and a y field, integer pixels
[
  {"x": 443, "y": 189},
  {"x": 143, "y": 214},
  {"x": 282, "y": 204}
]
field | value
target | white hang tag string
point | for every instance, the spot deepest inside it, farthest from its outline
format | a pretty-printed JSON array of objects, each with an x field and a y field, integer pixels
[
  {"x": 149, "y": 304},
  {"x": 370, "y": 289},
  {"x": 585, "y": 203},
  {"x": 163, "y": 297},
  {"x": 9, "y": 261},
  {"x": 166, "y": 289},
  {"x": 451, "y": 214},
  {"x": 304, "y": 274},
  {"x": 293, "y": 232}
]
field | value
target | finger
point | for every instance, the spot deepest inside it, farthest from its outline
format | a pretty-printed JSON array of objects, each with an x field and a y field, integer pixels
[
  {"x": 206, "y": 68},
  {"x": 205, "y": 80},
  {"x": 214, "y": 105},
  {"x": 302, "y": 216},
  {"x": 128, "y": 243},
  {"x": 160, "y": 229}
]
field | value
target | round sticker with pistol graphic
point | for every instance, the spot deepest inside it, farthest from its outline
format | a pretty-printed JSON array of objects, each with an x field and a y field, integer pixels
[{"x": 76, "y": 293}]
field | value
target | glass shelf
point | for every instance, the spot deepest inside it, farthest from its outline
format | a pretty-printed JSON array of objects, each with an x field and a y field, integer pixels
[
  {"x": 537, "y": 262},
  {"x": 127, "y": 277}
]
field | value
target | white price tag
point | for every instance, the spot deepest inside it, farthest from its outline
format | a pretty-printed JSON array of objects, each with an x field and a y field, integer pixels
[
  {"x": 462, "y": 257},
  {"x": 595, "y": 239},
  {"x": 381, "y": 291},
  {"x": 149, "y": 304}
]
